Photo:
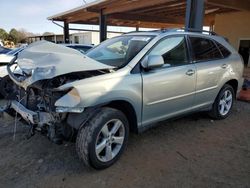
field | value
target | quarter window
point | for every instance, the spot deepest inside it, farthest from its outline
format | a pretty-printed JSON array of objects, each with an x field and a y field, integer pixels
[
  {"x": 173, "y": 50},
  {"x": 225, "y": 52},
  {"x": 204, "y": 49}
]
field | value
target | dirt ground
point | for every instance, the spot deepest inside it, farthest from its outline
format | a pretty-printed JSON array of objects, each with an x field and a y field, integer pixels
[{"x": 190, "y": 152}]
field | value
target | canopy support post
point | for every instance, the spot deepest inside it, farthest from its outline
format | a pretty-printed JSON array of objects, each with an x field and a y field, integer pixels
[
  {"x": 103, "y": 26},
  {"x": 195, "y": 14}
]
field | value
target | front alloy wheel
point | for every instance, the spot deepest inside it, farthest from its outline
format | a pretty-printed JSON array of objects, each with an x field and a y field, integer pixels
[
  {"x": 110, "y": 140},
  {"x": 101, "y": 141}
]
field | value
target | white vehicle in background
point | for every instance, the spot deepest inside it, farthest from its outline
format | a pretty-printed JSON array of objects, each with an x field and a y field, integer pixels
[{"x": 6, "y": 58}]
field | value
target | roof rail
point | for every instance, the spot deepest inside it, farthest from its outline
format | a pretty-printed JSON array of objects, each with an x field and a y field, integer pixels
[
  {"x": 202, "y": 31},
  {"x": 170, "y": 29},
  {"x": 190, "y": 30},
  {"x": 179, "y": 29},
  {"x": 141, "y": 31}
]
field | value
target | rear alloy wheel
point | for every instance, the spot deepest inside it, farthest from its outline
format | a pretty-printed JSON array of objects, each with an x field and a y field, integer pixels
[
  {"x": 101, "y": 141},
  {"x": 223, "y": 103}
]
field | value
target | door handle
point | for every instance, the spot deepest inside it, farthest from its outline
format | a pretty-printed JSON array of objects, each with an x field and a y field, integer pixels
[
  {"x": 190, "y": 72},
  {"x": 224, "y": 66}
]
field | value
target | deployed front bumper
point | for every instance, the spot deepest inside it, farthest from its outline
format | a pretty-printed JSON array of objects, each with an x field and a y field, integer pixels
[
  {"x": 35, "y": 118},
  {"x": 27, "y": 115}
]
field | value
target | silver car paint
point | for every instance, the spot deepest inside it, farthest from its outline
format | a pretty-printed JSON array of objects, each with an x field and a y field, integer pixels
[
  {"x": 164, "y": 92},
  {"x": 3, "y": 71},
  {"x": 120, "y": 85}
]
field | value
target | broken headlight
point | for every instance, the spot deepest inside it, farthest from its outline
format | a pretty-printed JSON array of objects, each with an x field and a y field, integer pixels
[{"x": 69, "y": 102}]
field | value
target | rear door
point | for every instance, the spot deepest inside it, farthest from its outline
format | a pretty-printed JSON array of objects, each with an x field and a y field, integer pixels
[
  {"x": 209, "y": 66},
  {"x": 169, "y": 90}
]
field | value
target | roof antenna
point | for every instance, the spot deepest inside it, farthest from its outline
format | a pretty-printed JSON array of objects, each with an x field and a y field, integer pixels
[{"x": 84, "y": 1}]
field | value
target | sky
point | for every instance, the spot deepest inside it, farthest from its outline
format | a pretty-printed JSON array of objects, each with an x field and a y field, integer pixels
[{"x": 31, "y": 15}]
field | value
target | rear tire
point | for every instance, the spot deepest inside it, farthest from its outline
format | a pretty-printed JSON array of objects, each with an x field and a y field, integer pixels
[
  {"x": 102, "y": 140},
  {"x": 223, "y": 103}
]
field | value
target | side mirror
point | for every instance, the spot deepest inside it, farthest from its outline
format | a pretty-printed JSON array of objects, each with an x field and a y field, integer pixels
[{"x": 152, "y": 62}]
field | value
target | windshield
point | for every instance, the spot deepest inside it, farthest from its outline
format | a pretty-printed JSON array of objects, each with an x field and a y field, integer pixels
[
  {"x": 82, "y": 49},
  {"x": 119, "y": 51}
]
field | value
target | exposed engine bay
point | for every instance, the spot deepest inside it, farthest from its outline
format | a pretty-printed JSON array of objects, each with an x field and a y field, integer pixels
[
  {"x": 32, "y": 83},
  {"x": 40, "y": 97}
]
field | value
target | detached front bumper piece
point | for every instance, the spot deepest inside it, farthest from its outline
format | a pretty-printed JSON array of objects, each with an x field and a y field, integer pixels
[
  {"x": 26, "y": 114},
  {"x": 31, "y": 116}
]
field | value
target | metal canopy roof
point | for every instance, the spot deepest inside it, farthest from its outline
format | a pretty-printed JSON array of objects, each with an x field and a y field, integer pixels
[{"x": 146, "y": 13}]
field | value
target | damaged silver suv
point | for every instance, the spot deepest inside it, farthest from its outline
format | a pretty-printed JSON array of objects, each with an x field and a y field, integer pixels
[{"x": 127, "y": 83}]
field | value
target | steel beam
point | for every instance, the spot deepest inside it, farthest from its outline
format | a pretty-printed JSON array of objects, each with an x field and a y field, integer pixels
[
  {"x": 103, "y": 26},
  {"x": 66, "y": 32},
  {"x": 137, "y": 28},
  {"x": 195, "y": 11}
]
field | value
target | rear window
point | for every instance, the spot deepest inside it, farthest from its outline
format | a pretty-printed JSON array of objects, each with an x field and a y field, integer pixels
[
  {"x": 225, "y": 52},
  {"x": 204, "y": 49}
]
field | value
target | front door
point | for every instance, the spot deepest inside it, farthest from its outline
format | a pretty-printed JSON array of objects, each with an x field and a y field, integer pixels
[{"x": 169, "y": 91}]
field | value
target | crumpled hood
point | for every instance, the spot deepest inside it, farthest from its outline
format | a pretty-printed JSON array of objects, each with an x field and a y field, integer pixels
[{"x": 45, "y": 60}]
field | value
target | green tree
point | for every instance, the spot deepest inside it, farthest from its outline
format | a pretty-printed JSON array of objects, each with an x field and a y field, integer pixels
[
  {"x": 14, "y": 35},
  {"x": 22, "y": 35},
  {"x": 3, "y": 34}
]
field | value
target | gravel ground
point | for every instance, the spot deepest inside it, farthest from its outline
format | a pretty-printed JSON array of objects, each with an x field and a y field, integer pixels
[{"x": 194, "y": 151}]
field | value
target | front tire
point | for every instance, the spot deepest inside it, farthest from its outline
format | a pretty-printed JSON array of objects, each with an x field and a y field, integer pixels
[
  {"x": 101, "y": 141},
  {"x": 223, "y": 103}
]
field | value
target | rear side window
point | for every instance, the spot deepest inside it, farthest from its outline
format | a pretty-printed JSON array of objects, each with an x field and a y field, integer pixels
[
  {"x": 204, "y": 49},
  {"x": 225, "y": 52}
]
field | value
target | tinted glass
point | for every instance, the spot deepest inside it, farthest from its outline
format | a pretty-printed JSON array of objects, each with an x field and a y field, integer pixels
[
  {"x": 204, "y": 49},
  {"x": 225, "y": 52},
  {"x": 173, "y": 50}
]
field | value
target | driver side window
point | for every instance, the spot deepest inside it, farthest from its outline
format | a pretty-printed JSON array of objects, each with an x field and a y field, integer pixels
[{"x": 173, "y": 50}]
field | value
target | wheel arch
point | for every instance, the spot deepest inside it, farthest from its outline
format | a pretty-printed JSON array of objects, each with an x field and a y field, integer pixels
[
  {"x": 78, "y": 120},
  {"x": 234, "y": 83},
  {"x": 128, "y": 110},
  {"x": 214, "y": 112}
]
